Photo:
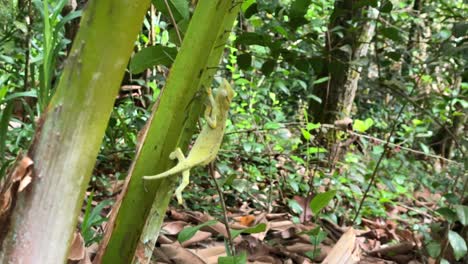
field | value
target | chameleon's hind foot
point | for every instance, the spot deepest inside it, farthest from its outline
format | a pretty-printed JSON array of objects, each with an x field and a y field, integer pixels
[{"x": 177, "y": 154}]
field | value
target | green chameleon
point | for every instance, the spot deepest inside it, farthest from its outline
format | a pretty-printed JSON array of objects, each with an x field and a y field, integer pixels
[{"x": 208, "y": 142}]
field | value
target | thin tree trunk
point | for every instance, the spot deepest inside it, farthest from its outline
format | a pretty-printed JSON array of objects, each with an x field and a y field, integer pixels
[{"x": 43, "y": 216}]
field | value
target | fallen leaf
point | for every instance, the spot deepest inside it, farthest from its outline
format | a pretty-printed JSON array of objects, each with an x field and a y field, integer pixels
[
  {"x": 246, "y": 220},
  {"x": 77, "y": 248},
  {"x": 177, "y": 254},
  {"x": 173, "y": 228},
  {"x": 345, "y": 251},
  {"x": 199, "y": 236}
]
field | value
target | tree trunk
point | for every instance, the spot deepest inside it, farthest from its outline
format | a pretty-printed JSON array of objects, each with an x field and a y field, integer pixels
[
  {"x": 171, "y": 125},
  {"x": 42, "y": 217},
  {"x": 337, "y": 95}
]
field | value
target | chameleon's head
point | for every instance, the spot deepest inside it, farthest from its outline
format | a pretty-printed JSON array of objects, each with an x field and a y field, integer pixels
[{"x": 225, "y": 94}]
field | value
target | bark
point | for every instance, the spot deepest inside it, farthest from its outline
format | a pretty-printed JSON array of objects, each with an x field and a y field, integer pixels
[
  {"x": 337, "y": 95},
  {"x": 43, "y": 216}
]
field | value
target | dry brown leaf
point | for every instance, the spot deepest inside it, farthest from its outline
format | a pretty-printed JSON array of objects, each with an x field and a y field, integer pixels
[
  {"x": 281, "y": 225},
  {"x": 279, "y": 216},
  {"x": 300, "y": 248},
  {"x": 25, "y": 182},
  {"x": 211, "y": 254},
  {"x": 177, "y": 254},
  {"x": 246, "y": 220},
  {"x": 163, "y": 239},
  {"x": 173, "y": 228},
  {"x": 77, "y": 248},
  {"x": 346, "y": 250},
  {"x": 199, "y": 236}
]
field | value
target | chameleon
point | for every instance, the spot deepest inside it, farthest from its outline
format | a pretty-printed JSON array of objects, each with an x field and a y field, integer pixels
[{"x": 208, "y": 142}]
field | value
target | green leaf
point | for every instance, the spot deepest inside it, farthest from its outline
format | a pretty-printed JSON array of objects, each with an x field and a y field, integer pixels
[
  {"x": 179, "y": 8},
  {"x": 460, "y": 29},
  {"x": 297, "y": 11},
  {"x": 305, "y": 134},
  {"x": 295, "y": 206},
  {"x": 447, "y": 213},
  {"x": 12, "y": 96},
  {"x": 458, "y": 244},
  {"x": 391, "y": 33},
  {"x": 247, "y": 4},
  {"x": 315, "y": 150},
  {"x": 362, "y": 126},
  {"x": 252, "y": 38},
  {"x": 251, "y": 230},
  {"x": 152, "y": 56},
  {"x": 387, "y": 7},
  {"x": 433, "y": 248},
  {"x": 268, "y": 67},
  {"x": 312, "y": 126},
  {"x": 321, "y": 200},
  {"x": 462, "y": 213},
  {"x": 3, "y": 92},
  {"x": 239, "y": 259},
  {"x": 244, "y": 61},
  {"x": 188, "y": 232},
  {"x": 321, "y": 80}
]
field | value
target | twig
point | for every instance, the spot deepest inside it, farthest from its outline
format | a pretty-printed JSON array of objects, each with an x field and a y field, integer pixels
[
  {"x": 351, "y": 133},
  {"x": 211, "y": 168},
  {"x": 173, "y": 21},
  {"x": 384, "y": 152}
]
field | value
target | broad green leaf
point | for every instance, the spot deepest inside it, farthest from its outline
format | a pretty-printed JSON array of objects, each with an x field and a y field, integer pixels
[
  {"x": 462, "y": 213},
  {"x": 241, "y": 185},
  {"x": 458, "y": 244},
  {"x": 295, "y": 206},
  {"x": 391, "y": 33},
  {"x": 252, "y": 38},
  {"x": 460, "y": 29},
  {"x": 387, "y": 7},
  {"x": 152, "y": 56},
  {"x": 433, "y": 248},
  {"x": 315, "y": 150},
  {"x": 244, "y": 61},
  {"x": 362, "y": 126},
  {"x": 447, "y": 213},
  {"x": 239, "y": 259},
  {"x": 251, "y": 230},
  {"x": 179, "y": 8},
  {"x": 268, "y": 67},
  {"x": 297, "y": 11},
  {"x": 188, "y": 232},
  {"x": 312, "y": 126},
  {"x": 247, "y": 4},
  {"x": 321, "y": 200}
]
